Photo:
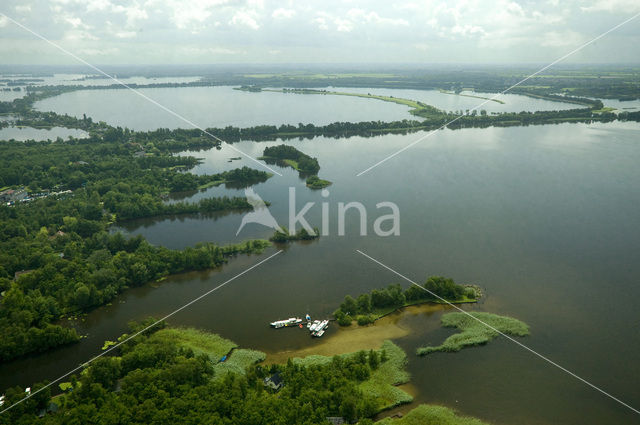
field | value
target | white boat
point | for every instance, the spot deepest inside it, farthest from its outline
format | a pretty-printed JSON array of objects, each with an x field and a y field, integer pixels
[
  {"x": 320, "y": 328},
  {"x": 314, "y": 326},
  {"x": 292, "y": 321}
]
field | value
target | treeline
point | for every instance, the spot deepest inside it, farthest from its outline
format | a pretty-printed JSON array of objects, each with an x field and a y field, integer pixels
[
  {"x": 73, "y": 264},
  {"x": 160, "y": 382},
  {"x": 57, "y": 257},
  {"x": 111, "y": 167},
  {"x": 301, "y": 235},
  {"x": 302, "y": 162},
  {"x": 621, "y": 83},
  {"x": 127, "y": 207},
  {"x": 307, "y": 166},
  {"x": 181, "y": 139},
  {"x": 368, "y": 307}
]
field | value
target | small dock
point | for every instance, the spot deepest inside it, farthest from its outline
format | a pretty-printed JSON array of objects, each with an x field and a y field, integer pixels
[{"x": 316, "y": 328}]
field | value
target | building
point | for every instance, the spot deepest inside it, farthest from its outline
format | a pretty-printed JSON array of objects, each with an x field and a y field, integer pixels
[
  {"x": 274, "y": 382},
  {"x": 13, "y": 195}
]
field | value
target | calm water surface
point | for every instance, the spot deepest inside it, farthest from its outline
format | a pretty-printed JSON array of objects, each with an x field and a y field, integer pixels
[
  {"x": 218, "y": 107},
  {"x": 29, "y": 133},
  {"x": 545, "y": 218},
  {"x": 451, "y": 102}
]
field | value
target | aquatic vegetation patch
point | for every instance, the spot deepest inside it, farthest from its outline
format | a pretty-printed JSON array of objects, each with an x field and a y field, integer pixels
[
  {"x": 431, "y": 415},
  {"x": 198, "y": 341},
  {"x": 238, "y": 362},
  {"x": 474, "y": 330}
]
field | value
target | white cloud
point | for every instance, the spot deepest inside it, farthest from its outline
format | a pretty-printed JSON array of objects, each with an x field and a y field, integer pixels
[
  {"x": 373, "y": 18},
  {"x": 78, "y": 35},
  {"x": 332, "y": 30},
  {"x": 89, "y": 51},
  {"x": 134, "y": 13},
  {"x": 613, "y": 6},
  {"x": 321, "y": 21},
  {"x": 191, "y": 15},
  {"x": 343, "y": 25},
  {"x": 245, "y": 18},
  {"x": 75, "y": 22},
  {"x": 98, "y": 5},
  {"x": 562, "y": 39},
  {"x": 125, "y": 34},
  {"x": 23, "y": 8},
  {"x": 205, "y": 51},
  {"x": 283, "y": 13},
  {"x": 467, "y": 30}
]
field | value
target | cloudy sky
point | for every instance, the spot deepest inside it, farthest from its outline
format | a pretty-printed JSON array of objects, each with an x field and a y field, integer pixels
[{"x": 319, "y": 31}]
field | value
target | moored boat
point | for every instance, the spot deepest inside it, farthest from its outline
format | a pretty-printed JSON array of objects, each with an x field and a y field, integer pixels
[{"x": 292, "y": 321}]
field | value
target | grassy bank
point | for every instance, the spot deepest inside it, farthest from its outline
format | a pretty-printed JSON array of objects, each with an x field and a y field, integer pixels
[
  {"x": 417, "y": 108},
  {"x": 383, "y": 382},
  {"x": 380, "y": 313},
  {"x": 344, "y": 340},
  {"x": 432, "y": 415},
  {"x": 471, "y": 95},
  {"x": 473, "y": 332},
  {"x": 201, "y": 342},
  {"x": 369, "y": 307},
  {"x": 315, "y": 182},
  {"x": 238, "y": 362}
]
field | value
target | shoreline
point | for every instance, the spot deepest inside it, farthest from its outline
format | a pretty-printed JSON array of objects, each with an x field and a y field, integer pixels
[{"x": 355, "y": 338}]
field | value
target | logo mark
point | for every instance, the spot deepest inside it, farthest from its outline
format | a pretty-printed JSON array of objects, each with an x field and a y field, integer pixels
[{"x": 260, "y": 213}]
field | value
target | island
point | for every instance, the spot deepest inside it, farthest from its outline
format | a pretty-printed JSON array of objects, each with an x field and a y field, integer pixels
[
  {"x": 301, "y": 235},
  {"x": 369, "y": 307},
  {"x": 286, "y": 155},
  {"x": 476, "y": 328}
]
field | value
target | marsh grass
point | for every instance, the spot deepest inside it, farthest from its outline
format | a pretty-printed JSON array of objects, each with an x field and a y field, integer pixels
[
  {"x": 473, "y": 332},
  {"x": 431, "y": 415},
  {"x": 238, "y": 362},
  {"x": 199, "y": 341},
  {"x": 382, "y": 384},
  {"x": 383, "y": 381}
]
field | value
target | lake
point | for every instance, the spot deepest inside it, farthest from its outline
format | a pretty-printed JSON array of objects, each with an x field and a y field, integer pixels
[
  {"x": 452, "y": 102},
  {"x": 29, "y": 133},
  {"x": 223, "y": 106},
  {"x": 218, "y": 107},
  {"x": 544, "y": 218}
]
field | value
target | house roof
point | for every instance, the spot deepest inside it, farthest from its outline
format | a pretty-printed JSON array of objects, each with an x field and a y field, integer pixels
[{"x": 276, "y": 378}]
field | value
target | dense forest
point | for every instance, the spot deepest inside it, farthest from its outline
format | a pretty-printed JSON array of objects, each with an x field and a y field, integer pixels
[
  {"x": 368, "y": 307},
  {"x": 158, "y": 379},
  {"x": 292, "y": 156},
  {"x": 57, "y": 256},
  {"x": 307, "y": 166}
]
